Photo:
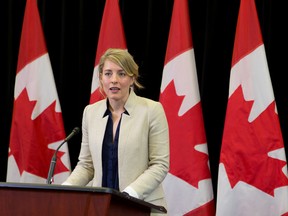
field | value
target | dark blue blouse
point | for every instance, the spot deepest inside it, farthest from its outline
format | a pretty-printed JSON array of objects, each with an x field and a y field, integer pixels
[{"x": 110, "y": 176}]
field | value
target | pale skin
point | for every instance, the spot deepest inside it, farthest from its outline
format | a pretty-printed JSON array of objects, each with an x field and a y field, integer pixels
[{"x": 116, "y": 84}]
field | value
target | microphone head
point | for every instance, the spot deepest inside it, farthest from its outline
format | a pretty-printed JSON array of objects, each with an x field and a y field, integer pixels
[{"x": 76, "y": 130}]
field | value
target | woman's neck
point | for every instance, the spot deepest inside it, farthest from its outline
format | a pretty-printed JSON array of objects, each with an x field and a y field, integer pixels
[{"x": 116, "y": 106}]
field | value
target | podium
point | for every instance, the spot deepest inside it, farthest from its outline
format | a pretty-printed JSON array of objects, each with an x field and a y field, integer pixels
[{"x": 43, "y": 200}]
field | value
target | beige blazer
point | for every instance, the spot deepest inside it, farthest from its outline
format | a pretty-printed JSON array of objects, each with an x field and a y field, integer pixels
[{"x": 143, "y": 148}]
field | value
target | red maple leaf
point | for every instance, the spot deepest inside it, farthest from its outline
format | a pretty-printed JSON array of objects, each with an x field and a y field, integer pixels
[
  {"x": 245, "y": 146},
  {"x": 186, "y": 132},
  {"x": 29, "y": 138}
]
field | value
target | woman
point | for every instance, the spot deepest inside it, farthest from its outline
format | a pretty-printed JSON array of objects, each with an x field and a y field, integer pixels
[{"x": 125, "y": 137}]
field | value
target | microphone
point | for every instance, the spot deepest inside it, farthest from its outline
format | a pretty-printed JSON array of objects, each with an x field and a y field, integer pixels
[{"x": 54, "y": 158}]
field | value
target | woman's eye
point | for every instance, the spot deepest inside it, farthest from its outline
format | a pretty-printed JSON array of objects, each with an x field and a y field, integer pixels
[
  {"x": 107, "y": 74},
  {"x": 122, "y": 74}
]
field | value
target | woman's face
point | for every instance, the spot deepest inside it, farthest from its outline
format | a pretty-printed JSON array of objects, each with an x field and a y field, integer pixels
[{"x": 116, "y": 83}]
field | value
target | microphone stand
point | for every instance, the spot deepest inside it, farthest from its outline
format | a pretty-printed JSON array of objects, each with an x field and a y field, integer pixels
[{"x": 54, "y": 158}]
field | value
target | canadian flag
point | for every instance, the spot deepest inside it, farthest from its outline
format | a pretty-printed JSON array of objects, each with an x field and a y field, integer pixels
[
  {"x": 188, "y": 186},
  {"x": 111, "y": 36},
  {"x": 252, "y": 178},
  {"x": 37, "y": 126}
]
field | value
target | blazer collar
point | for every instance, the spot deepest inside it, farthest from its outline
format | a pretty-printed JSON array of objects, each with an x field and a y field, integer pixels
[{"x": 129, "y": 105}]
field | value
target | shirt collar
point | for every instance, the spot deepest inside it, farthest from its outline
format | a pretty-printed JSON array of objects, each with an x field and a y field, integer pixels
[{"x": 107, "y": 112}]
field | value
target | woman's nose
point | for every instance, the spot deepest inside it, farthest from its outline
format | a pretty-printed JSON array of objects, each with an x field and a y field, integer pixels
[{"x": 114, "y": 78}]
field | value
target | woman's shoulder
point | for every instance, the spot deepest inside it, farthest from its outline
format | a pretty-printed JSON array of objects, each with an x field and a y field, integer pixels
[
  {"x": 150, "y": 103},
  {"x": 99, "y": 105},
  {"x": 147, "y": 100}
]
